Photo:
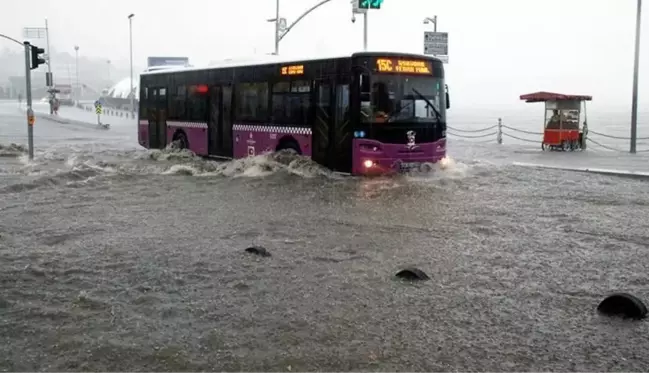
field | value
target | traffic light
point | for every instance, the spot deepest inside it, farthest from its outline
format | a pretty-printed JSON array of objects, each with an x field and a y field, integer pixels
[
  {"x": 37, "y": 59},
  {"x": 370, "y": 4}
]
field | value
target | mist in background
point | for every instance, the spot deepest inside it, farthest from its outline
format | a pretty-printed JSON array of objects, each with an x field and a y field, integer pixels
[{"x": 499, "y": 49}]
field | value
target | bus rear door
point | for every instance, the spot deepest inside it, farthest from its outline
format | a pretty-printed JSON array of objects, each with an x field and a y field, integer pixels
[
  {"x": 219, "y": 140},
  {"x": 157, "y": 111}
]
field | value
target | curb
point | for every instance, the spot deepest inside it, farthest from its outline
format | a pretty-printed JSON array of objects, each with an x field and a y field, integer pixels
[
  {"x": 601, "y": 171},
  {"x": 61, "y": 120}
]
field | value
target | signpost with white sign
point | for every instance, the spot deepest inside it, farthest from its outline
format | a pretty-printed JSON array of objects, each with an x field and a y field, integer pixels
[{"x": 436, "y": 44}]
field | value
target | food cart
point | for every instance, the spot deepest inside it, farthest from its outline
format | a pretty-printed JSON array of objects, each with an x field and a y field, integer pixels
[{"x": 561, "y": 128}]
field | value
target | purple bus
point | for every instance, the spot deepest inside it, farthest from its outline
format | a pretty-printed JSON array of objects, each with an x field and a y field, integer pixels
[{"x": 366, "y": 113}]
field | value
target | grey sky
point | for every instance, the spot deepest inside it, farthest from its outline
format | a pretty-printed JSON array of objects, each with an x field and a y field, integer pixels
[{"x": 499, "y": 49}]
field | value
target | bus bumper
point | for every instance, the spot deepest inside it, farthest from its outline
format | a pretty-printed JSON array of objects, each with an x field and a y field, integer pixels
[{"x": 371, "y": 157}]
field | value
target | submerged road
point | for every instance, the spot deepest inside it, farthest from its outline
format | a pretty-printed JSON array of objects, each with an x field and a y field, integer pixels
[{"x": 117, "y": 258}]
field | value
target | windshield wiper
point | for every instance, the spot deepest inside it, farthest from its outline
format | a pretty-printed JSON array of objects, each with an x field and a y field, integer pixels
[{"x": 429, "y": 103}]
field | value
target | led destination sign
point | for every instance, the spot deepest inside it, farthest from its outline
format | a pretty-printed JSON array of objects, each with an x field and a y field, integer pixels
[
  {"x": 293, "y": 70},
  {"x": 397, "y": 65}
]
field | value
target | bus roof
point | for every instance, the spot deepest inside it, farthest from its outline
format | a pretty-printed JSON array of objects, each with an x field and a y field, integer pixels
[{"x": 274, "y": 59}]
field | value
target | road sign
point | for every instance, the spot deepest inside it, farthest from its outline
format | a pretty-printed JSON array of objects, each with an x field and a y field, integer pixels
[
  {"x": 436, "y": 44},
  {"x": 31, "y": 120},
  {"x": 98, "y": 107},
  {"x": 34, "y": 32},
  {"x": 167, "y": 61}
]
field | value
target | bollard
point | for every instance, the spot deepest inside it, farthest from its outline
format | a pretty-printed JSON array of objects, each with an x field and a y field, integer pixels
[{"x": 499, "y": 134}]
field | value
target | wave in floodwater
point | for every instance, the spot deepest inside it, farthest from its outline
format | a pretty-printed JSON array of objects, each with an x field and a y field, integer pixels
[
  {"x": 81, "y": 168},
  {"x": 12, "y": 150}
]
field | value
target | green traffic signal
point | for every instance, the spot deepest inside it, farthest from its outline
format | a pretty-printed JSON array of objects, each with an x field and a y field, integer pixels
[{"x": 370, "y": 4}]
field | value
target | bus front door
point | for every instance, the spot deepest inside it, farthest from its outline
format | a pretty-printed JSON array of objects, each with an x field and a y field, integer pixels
[
  {"x": 343, "y": 134},
  {"x": 332, "y": 130},
  {"x": 157, "y": 118},
  {"x": 323, "y": 124},
  {"x": 219, "y": 139}
]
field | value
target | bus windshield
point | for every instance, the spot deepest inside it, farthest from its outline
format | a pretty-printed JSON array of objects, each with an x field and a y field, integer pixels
[{"x": 402, "y": 98}]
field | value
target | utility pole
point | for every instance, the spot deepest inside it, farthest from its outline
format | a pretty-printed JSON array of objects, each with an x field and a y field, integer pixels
[
  {"x": 363, "y": 7},
  {"x": 130, "y": 33},
  {"x": 428, "y": 20},
  {"x": 365, "y": 27},
  {"x": 280, "y": 23},
  {"x": 277, "y": 27},
  {"x": 50, "y": 86},
  {"x": 108, "y": 63},
  {"x": 636, "y": 68},
  {"x": 33, "y": 59},
  {"x": 28, "y": 94},
  {"x": 76, "y": 63}
]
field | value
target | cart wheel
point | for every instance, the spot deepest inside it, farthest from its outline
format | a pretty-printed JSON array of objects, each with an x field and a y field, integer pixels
[{"x": 564, "y": 145}]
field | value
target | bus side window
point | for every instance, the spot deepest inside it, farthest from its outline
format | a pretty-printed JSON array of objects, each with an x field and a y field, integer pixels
[
  {"x": 177, "y": 103},
  {"x": 291, "y": 103},
  {"x": 252, "y": 102}
]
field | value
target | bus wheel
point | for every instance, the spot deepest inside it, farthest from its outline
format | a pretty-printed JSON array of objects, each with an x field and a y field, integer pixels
[{"x": 180, "y": 140}]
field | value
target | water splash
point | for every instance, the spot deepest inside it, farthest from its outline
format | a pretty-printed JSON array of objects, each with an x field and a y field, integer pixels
[
  {"x": 12, "y": 150},
  {"x": 56, "y": 166}
]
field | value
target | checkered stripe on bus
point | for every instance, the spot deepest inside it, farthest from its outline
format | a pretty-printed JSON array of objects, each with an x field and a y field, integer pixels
[
  {"x": 273, "y": 129},
  {"x": 186, "y": 124}
]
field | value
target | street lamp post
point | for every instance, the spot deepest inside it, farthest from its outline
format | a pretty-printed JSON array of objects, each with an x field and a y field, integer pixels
[
  {"x": 78, "y": 90},
  {"x": 432, "y": 20},
  {"x": 636, "y": 68},
  {"x": 49, "y": 64},
  {"x": 277, "y": 27},
  {"x": 280, "y": 23},
  {"x": 130, "y": 36},
  {"x": 108, "y": 63}
]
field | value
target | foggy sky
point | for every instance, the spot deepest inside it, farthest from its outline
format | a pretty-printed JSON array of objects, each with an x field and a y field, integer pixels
[{"x": 499, "y": 49}]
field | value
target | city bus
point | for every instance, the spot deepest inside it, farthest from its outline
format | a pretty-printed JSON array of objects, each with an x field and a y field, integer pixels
[{"x": 361, "y": 114}]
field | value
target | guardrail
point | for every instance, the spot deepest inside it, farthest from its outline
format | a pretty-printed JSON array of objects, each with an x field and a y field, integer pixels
[
  {"x": 496, "y": 132},
  {"x": 107, "y": 111}
]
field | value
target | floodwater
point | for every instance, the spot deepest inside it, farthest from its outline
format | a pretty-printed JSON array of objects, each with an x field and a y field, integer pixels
[{"x": 116, "y": 258}]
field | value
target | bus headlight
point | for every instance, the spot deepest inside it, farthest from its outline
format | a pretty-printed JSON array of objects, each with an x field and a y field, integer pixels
[{"x": 368, "y": 164}]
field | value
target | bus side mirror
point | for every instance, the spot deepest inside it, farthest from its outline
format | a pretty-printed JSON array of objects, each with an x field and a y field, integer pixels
[{"x": 448, "y": 98}]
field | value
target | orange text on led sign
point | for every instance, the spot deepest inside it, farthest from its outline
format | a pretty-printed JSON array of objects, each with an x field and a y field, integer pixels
[
  {"x": 386, "y": 65},
  {"x": 293, "y": 70}
]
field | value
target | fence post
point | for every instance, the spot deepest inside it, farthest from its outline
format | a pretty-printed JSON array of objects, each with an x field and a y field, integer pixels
[
  {"x": 585, "y": 136},
  {"x": 499, "y": 134}
]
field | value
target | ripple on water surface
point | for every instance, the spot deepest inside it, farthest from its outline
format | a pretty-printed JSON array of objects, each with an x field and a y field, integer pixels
[{"x": 135, "y": 260}]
